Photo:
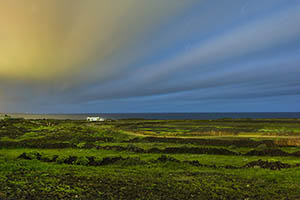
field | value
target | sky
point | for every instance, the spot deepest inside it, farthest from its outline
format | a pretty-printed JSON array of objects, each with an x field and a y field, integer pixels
[{"x": 104, "y": 56}]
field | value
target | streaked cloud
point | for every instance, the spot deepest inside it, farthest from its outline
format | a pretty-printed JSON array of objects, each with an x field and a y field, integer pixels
[{"x": 66, "y": 56}]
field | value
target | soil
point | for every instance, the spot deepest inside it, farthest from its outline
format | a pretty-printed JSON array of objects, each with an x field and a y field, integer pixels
[
  {"x": 92, "y": 161},
  {"x": 267, "y": 165},
  {"x": 269, "y": 152},
  {"x": 210, "y": 142}
]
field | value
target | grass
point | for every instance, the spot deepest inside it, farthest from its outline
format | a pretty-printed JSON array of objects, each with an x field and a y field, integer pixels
[{"x": 137, "y": 171}]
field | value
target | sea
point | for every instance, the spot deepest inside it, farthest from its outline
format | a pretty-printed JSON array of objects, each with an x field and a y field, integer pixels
[{"x": 163, "y": 116}]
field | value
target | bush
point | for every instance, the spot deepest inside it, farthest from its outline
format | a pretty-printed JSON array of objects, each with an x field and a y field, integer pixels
[
  {"x": 262, "y": 146},
  {"x": 61, "y": 159},
  {"x": 82, "y": 160},
  {"x": 81, "y": 145},
  {"x": 232, "y": 147},
  {"x": 131, "y": 161}
]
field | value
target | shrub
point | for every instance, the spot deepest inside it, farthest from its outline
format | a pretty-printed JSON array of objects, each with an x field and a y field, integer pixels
[
  {"x": 61, "y": 159},
  {"x": 82, "y": 160},
  {"x": 81, "y": 145},
  {"x": 262, "y": 146},
  {"x": 131, "y": 161},
  {"x": 232, "y": 147}
]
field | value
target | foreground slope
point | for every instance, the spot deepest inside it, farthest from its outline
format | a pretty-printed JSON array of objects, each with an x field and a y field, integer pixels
[{"x": 150, "y": 159}]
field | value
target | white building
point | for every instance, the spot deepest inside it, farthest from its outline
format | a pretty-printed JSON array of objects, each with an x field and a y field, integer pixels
[{"x": 95, "y": 119}]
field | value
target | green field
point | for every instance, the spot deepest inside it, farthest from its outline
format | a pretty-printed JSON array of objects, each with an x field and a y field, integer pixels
[{"x": 150, "y": 159}]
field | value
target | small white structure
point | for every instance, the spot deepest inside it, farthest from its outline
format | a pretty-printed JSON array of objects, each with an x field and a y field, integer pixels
[{"x": 95, "y": 119}]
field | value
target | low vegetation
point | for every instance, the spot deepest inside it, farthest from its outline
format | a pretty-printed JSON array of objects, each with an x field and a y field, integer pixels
[{"x": 150, "y": 159}]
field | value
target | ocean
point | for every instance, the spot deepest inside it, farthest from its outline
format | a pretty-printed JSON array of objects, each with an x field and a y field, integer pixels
[{"x": 165, "y": 116}]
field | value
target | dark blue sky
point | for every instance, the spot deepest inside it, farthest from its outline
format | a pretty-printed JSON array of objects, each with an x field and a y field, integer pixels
[{"x": 158, "y": 56}]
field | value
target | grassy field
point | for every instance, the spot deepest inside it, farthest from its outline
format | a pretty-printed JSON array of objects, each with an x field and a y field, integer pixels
[{"x": 150, "y": 159}]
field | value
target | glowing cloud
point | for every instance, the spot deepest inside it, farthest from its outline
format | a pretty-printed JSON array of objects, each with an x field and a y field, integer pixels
[{"x": 43, "y": 39}]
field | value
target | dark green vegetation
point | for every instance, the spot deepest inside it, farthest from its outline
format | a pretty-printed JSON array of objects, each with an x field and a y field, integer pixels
[{"x": 150, "y": 159}]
